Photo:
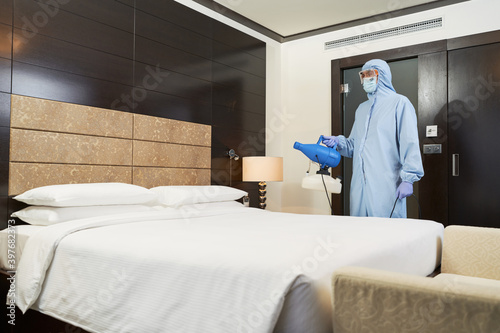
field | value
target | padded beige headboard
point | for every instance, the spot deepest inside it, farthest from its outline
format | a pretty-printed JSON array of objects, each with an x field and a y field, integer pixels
[{"x": 60, "y": 143}]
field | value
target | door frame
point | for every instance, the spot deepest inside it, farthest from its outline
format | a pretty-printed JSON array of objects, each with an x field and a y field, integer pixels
[{"x": 432, "y": 109}]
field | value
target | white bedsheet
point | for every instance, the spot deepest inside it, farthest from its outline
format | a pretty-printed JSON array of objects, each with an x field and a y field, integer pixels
[
  {"x": 22, "y": 233},
  {"x": 230, "y": 270}
]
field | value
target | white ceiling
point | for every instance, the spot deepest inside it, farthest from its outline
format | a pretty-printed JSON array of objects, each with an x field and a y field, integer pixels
[{"x": 291, "y": 17}]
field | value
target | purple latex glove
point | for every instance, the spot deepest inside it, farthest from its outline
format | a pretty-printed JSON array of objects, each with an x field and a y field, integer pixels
[
  {"x": 330, "y": 141},
  {"x": 404, "y": 190}
]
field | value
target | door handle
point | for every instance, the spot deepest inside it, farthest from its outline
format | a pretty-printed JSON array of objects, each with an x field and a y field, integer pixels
[{"x": 455, "y": 161}]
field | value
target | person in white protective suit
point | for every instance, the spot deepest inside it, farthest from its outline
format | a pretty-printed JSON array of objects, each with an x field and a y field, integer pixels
[{"x": 384, "y": 146}]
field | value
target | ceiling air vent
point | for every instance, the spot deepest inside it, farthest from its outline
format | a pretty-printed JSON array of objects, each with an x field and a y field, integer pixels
[{"x": 402, "y": 30}]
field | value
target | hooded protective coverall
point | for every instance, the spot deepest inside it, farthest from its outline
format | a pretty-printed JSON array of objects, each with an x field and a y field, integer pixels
[{"x": 384, "y": 146}]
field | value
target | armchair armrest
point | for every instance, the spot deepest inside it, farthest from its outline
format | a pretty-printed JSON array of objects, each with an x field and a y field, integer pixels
[
  {"x": 471, "y": 251},
  {"x": 369, "y": 300}
]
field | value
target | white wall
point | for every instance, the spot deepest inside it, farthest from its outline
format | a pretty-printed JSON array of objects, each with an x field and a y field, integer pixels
[
  {"x": 298, "y": 86},
  {"x": 306, "y": 84}
]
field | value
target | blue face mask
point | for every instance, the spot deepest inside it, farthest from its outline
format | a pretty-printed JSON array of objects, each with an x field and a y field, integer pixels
[{"x": 370, "y": 84}]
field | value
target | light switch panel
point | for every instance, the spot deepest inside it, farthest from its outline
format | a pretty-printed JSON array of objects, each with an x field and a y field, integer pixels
[
  {"x": 431, "y": 131},
  {"x": 432, "y": 149}
]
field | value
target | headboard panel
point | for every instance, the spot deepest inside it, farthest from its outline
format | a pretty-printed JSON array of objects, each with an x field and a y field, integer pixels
[
  {"x": 25, "y": 176},
  {"x": 58, "y": 143}
]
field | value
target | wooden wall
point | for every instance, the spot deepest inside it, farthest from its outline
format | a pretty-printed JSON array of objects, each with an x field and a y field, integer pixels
[{"x": 149, "y": 57}]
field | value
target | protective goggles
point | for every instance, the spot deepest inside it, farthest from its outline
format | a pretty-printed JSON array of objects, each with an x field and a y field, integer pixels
[{"x": 367, "y": 73}]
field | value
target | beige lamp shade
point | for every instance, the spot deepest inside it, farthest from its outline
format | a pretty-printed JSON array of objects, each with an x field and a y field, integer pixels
[{"x": 262, "y": 168}]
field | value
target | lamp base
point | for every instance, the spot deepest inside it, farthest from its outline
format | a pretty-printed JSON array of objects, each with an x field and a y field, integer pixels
[{"x": 262, "y": 195}]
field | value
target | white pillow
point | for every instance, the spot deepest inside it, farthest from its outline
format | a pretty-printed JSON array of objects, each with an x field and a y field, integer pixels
[
  {"x": 186, "y": 195},
  {"x": 44, "y": 215},
  {"x": 91, "y": 194},
  {"x": 214, "y": 205}
]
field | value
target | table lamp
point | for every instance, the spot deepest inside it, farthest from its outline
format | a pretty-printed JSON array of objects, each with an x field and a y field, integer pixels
[{"x": 261, "y": 169}]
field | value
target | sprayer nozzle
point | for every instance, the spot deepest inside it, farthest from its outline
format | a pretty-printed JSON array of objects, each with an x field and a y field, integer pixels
[{"x": 297, "y": 145}]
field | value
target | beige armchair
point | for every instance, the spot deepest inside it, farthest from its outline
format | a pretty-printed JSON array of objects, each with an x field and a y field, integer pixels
[{"x": 465, "y": 297}]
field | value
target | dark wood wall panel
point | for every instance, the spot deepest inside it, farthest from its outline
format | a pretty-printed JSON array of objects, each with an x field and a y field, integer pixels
[
  {"x": 169, "y": 58},
  {"x": 33, "y": 19},
  {"x": 245, "y": 143},
  {"x": 239, "y": 72},
  {"x": 108, "y": 12},
  {"x": 151, "y": 57},
  {"x": 5, "y": 48},
  {"x": 4, "y": 156},
  {"x": 230, "y": 76},
  {"x": 5, "y": 44},
  {"x": 6, "y": 12},
  {"x": 473, "y": 40},
  {"x": 165, "y": 32},
  {"x": 229, "y": 172},
  {"x": 4, "y": 144},
  {"x": 238, "y": 91},
  {"x": 4, "y": 109},
  {"x": 5, "y": 75},
  {"x": 337, "y": 127},
  {"x": 225, "y": 171},
  {"x": 4, "y": 134},
  {"x": 4, "y": 209},
  {"x": 238, "y": 40},
  {"x": 174, "y": 42},
  {"x": 4, "y": 173},
  {"x": 36, "y": 81},
  {"x": 130, "y": 3},
  {"x": 5, "y": 88},
  {"x": 433, "y": 109},
  {"x": 72, "y": 58},
  {"x": 158, "y": 79},
  {"x": 235, "y": 58},
  {"x": 239, "y": 120},
  {"x": 167, "y": 106},
  {"x": 232, "y": 98},
  {"x": 178, "y": 14}
]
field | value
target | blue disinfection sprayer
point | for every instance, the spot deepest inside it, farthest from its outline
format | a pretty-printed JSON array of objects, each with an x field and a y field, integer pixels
[{"x": 325, "y": 156}]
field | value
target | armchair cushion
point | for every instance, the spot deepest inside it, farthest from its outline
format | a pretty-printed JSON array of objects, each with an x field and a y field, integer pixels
[
  {"x": 462, "y": 283},
  {"x": 471, "y": 251},
  {"x": 369, "y": 300}
]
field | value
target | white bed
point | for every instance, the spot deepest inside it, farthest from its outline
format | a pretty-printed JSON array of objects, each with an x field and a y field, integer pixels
[
  {"x": 22, "y": 233},
  {"x": 200, "y": 267},
  {"x": 209, "y": 267}
]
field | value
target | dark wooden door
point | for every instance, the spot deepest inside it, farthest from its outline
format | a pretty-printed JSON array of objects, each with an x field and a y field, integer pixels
[{"x": 474, "y": 135}]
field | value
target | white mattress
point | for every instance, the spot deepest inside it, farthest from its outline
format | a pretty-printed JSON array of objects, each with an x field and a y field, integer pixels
[
  {"x": 22, "y": 233},
  {"x": 230, "y": 270}
]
